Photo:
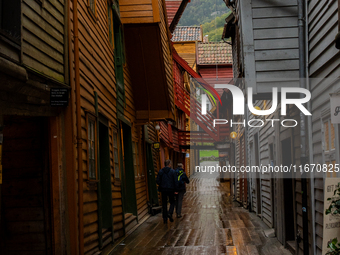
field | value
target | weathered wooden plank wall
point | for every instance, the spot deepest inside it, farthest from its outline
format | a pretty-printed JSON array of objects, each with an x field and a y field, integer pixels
[
  {"x": 187, "y": 51},
  {"x": 270, "y": 30},
  {"x": 97, "y": 74},
  {"x": 136, "y": 11},
  {"x": 275, "y": 29},
  {"x": 264, "y": 133},
  {"x": 43, "y": 38},
  {"x": 323, "y": 63},
  {"x": 167, "y": 55}
]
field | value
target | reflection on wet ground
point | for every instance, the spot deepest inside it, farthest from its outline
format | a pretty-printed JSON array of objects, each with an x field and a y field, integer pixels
[{"x": 211, "y": 224}]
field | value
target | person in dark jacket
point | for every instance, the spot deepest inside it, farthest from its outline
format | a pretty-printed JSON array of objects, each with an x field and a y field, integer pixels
[
  {"x": 181, "y": 181},
  {"x": 166, "y": 180}
]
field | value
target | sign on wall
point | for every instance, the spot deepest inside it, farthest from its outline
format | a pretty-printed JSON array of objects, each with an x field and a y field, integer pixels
[
  {"x": 331, "y": 223},
  {"x": 59, "y": 97},
  {"x": 335, "y": 108}
]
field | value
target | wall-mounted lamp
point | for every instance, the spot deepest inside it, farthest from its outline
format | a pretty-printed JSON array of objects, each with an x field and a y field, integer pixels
[{"x": 157, "y": 127}]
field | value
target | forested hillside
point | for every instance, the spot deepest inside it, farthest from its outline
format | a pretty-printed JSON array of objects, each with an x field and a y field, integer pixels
[{"x": 209, "y": 13}]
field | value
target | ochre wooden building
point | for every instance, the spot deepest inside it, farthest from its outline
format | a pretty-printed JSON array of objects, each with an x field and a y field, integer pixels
[{"x": 125, "y": 84}]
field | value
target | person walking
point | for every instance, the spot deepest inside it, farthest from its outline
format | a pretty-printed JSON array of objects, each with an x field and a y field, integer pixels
[
  {"x": 181, "y": 181},
  {"x": 166, "y": 179}
]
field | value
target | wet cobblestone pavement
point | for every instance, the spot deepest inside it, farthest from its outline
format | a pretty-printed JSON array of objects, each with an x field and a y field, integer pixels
[{"x": 211, "y": 224}]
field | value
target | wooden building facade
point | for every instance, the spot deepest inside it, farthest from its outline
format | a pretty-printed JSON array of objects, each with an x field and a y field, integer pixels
[
  {"x": 34, "y": 65},
  {"x": 323, "y": 72},
  {"x": 120, "y": 45},
  {"x": 265, "y": 44},
  {"x": 77, "y": 121},
  {"x": 275, "y": 43}
]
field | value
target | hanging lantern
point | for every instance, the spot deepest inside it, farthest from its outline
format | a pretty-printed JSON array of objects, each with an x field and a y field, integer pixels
[{"x": 233, "y": 135}]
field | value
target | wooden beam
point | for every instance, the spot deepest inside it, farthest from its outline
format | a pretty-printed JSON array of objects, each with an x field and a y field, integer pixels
[{"x": 155, "y": 8}]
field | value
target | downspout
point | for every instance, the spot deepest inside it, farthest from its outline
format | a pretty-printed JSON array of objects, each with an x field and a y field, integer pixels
[
  {"x": 78, "y": 122},
  {"x": 303, "y": 156},
  {"x": 70, "y": 149},
  {"x": 310, "y": 139}
]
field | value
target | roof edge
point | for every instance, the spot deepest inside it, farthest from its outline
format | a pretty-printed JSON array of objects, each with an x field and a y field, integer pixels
[{"x": 178, "y": 15}]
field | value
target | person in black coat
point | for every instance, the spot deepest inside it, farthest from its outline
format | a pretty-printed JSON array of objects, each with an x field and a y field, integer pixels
[
  {"x": 166, "y": 179},
  {"x": 181, "y": 181}
]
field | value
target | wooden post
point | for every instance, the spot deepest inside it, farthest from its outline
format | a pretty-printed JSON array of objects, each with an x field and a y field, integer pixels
[
  {"x": 78, "y": 121},
  {"x": 55, "y": 189}
]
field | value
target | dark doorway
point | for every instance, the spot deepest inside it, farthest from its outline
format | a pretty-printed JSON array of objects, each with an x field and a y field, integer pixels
[
  {"x": 128, "y": 174},
  {"x": 273, "y": 188},
  {"x": 105, "y": 179},
  {"x": 153, "y": 194},
  {"x": 258, "y": 176},
  {"x": 25, "y": 191},
  {"x": 288, "y": 192}
]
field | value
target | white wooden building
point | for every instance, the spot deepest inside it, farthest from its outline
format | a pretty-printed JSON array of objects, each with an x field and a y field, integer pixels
[{"x": 265, "y": 39}]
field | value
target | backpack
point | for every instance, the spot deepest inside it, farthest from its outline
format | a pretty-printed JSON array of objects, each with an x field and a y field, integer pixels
[{"x": 180, "y": 175}]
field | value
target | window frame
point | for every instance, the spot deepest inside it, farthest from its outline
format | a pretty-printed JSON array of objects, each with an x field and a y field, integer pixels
[
  {"x": 110, "y": 23},
  {"x": 92, "y": 117},
  {"x": 115, "y": 134},
  {"x": 329, "y": 134},
  {"x": 6, "y": 35},
  {"x": 134, "y": 158},
  {"x": 119, "y": 56},
  {"x": 331, "y": 155},
  {"x": 118, "y": 45},
  {"x": 93, "y": 12}
]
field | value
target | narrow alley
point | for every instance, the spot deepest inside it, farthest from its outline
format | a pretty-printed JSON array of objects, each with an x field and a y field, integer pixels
[{"x": 211, "y": 224}]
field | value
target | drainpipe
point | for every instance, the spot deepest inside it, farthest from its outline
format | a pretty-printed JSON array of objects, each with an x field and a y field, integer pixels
[
  {"x": 303, "y": 156},
  {"x": 310, "y": 143},
  {"x": 71, "y": 237},
  {"x": 78, "y": 122}
]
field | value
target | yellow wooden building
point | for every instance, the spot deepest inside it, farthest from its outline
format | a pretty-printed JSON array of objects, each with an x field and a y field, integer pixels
[{"x": 185, "y": 39}]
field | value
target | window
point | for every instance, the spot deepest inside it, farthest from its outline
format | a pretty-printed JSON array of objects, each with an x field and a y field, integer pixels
[
  {"x": 328, "y": 136},
  {"x": 91, "y": 146},
  {"x": 331, "y": 167},
  {"x": 135, "y": 158},
  {"x": 10, "y": 19},
  {"x": 116, "y": 39},
  {"x": 110, "y": 22},
  {"x": 116, "y": 155},
  {"x": 119, "y": 56},
  {"x": 92, "y": 5},
  {"x": 328, "y": 144}
]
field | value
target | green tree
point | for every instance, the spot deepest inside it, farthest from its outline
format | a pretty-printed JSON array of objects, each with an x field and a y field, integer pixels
[
  {"x": 200, "y": 12},
  {"x": 211, "y": 14}
]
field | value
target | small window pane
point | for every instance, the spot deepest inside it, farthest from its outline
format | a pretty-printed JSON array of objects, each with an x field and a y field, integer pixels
[
  {"x": 91, "y": 148},
  {"x": 134, "y": 144},
  {"x": 326, "y": 136},
  {"x": 93, "y": 5},
  {"x": 116, "y": 155},
  {"x": 109, "y": 19},
  {"x": 332, "y": 137}
]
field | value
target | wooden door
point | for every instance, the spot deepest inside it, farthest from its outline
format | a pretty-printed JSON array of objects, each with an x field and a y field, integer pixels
[
  {"x": 288, "y": 195},
  {"x": 258, "y": 176},
  {"x": 153, "y": 195},
  {"x": 25, "y": 193},
  {"x": 128, "y": 174},
  {"x": 105, "y": 182}
]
